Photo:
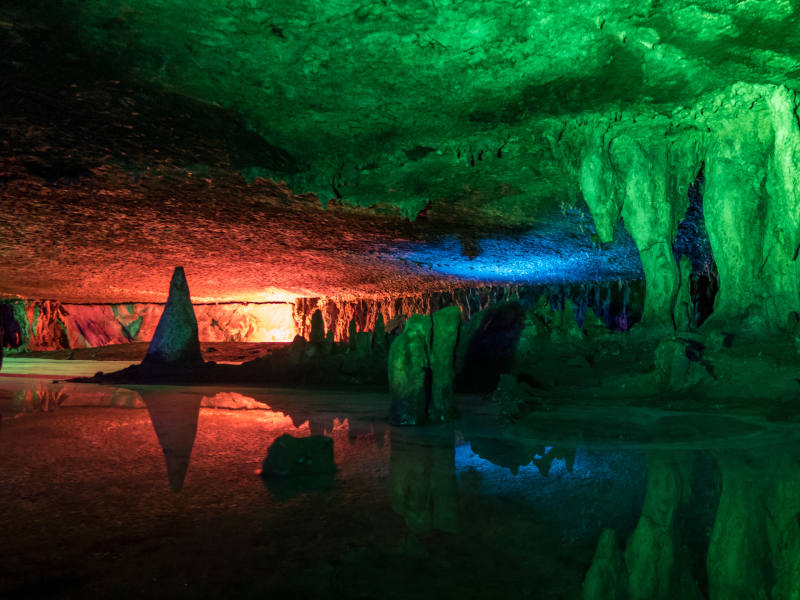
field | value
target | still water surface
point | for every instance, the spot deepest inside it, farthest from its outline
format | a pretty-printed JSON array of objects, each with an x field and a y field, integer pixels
[{"x": 156, "y": 492}]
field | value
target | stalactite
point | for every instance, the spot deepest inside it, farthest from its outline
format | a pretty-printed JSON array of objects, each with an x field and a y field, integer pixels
[{"x": 613, "y": 307}]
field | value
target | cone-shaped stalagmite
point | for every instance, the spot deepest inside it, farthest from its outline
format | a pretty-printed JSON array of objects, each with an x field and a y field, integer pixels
[{"x": 175, "y": 341}]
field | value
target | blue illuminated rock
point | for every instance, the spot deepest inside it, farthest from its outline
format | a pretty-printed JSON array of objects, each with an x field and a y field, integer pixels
[{"x": 175, "y": 342}]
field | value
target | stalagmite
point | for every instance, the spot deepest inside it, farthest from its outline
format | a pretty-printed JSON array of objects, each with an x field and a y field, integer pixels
[
  {"x": 446, "y": 325},
  {"x": 409, "y": 372},
  {"x": 175, "y": 342},
  {"x": 317, "y": 335}
]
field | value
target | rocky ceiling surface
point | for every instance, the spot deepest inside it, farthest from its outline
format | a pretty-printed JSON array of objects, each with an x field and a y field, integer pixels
[{"x": 450, "y": 141}]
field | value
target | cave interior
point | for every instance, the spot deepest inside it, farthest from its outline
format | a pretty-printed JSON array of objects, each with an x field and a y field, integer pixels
[{"x": 437, "y": 298}]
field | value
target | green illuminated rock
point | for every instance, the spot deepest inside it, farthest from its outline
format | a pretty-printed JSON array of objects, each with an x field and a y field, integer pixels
[
  {"x": 446, "y": 325},
  {"x": 410, "y": 372},
  {"x": 175, "y": 341},
  {"x": 496, "y": 115}
]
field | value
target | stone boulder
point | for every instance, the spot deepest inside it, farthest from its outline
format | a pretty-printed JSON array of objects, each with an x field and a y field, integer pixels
[
  {"x": 409, "y": 372},
  {"x": 176, "y": 342}
]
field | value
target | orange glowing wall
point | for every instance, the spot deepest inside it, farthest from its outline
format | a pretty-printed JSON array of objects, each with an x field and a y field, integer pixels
[{"x": 52, "y": 325}]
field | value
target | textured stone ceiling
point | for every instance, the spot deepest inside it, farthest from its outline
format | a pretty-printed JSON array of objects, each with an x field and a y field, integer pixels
[{"x": 142, "y": 134}]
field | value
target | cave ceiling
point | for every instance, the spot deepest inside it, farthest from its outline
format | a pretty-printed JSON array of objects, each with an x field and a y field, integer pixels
[{"x": 281, "y": 149}]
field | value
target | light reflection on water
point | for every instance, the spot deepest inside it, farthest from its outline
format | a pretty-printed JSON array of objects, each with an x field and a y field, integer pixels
[{"x": 452, "y": 497}]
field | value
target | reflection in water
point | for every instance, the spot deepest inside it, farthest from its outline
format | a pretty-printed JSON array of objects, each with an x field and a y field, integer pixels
[
  {"x": 514, "y": 454},
  {"x": 754, "y": 546},
  {"x": 422, "y": 479},
  {"x": 174, "y": 418},
  {"x": 175, "y": 415},
  {"x": 655, "y": 565},
  {"x": 755, "y": 542},
  {"x": 41, "y": 398},
  {"x": 492, "y": 512}
]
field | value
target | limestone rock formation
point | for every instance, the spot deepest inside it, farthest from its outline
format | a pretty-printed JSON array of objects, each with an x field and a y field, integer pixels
[
  {"x": 422, "y": 368},
  {"x": 410, "y": 372},
  {"x": 446, "y": 325},
  {"x": 673, "y": 369},
  {"x": 379, "y": 340},
  {"x": 175, "y": 342},
  {"x": 317, "y": 335}
]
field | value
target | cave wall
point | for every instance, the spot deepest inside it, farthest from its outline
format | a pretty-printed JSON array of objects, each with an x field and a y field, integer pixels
[
  {"x": 32, "y": 325},
  {"x": 52, "y": 325},
  {"x": 617, "y": 303},
  {"x": 638, "y": 165}
]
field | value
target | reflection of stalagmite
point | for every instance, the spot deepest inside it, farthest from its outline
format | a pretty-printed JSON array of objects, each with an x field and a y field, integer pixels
[
  {"x": 655, "y": 560},
  {"x": 174, "y": 418},
  {"x": 755, "y": 543},
  {"x": 422, "y": 481},
  {"x": 607, "y": 577},
  {"x": 655, "y": 566}
]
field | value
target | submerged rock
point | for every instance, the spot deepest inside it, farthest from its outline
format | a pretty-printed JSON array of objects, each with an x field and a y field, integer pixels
[
  {"x": 410, "y": 372},
  {"x": 290, "y": 456},
  {"x": 176, "y": 342}
]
